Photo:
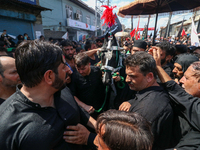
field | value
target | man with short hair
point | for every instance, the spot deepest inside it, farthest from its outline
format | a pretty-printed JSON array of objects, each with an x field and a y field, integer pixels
[
  {"x": 5, "y": 38},
  {"x": 167, "y": 53},
  {"x": 129, "y": 130},
  {"x": 3, "y": 50},
  {"x": 139, "y": 45},
  {"x": 99, "y": 43},
  {"x": 38, "y": 113},
  {"x": 69, "y": 52},
  {"x": 185, "y": 101},
  {"x": 151, "y": 101},
  {"x": 196, "y": 50},
  {"x": 87, "y": 85},
  {"x": 90, "y": 45},
  {"x": 9, "y": 77}
]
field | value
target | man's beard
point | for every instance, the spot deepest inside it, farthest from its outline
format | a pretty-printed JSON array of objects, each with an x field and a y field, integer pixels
[
  {"x": 58, "y": 83},
  {"x": 163, "y": 61},
  {"x": 69, "y": 57},
  {"x": 178, "y": 77},
  {"x": 10, "y": 84},
  {"x": 99, "y": 46}
]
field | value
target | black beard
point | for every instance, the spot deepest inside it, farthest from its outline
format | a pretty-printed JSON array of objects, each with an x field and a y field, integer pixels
[
  {"x": 58, "y": 83},
  {"x": 69, "y": 57},
  {"x": 163, "y": 61}
]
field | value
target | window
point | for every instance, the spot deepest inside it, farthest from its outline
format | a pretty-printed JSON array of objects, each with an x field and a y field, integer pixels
[
  {"x": 79, "y": 15},
  {"x": 88, "y": 19},
  {"x": 69, "y": 12}
]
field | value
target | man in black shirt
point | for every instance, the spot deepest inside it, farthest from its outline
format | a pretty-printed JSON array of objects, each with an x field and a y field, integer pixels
[
  {"x": 186, "y": 102},
  {"x": 36, "y": 115},
  {"x": 90, "y": 45},
  {"x": 87, "y": 86},
  {"x": 151, "y": 101},
  {"x": 167, "y": 53},
  {"x": 9, "y": 77}
]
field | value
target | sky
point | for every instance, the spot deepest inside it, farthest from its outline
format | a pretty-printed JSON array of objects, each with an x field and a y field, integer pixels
[{"x": 162, "y": 20}]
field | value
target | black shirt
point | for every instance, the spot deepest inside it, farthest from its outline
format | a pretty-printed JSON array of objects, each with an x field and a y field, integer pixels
[
  {"x": 1, "y": 100},
  {"x": 168, "y": 69},
  {"x": 188, "y": 110},
  {"x": 94, "y": 61},
  {"x": 153, "y": 104},
  {"x": 123, "y": 94},
  {"x": 89, "y": 89},
  {"x": 25, "y": 125}
]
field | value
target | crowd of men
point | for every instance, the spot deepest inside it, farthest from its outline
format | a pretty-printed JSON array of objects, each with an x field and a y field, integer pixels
[{"x": 52, "y": 97}]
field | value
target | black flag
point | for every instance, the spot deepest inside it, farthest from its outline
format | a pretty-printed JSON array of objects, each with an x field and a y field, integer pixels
[
  {"x": 114, "y": 28},
  {"x": 150, "y": 35},
  {"x": 180, "y": 30}
]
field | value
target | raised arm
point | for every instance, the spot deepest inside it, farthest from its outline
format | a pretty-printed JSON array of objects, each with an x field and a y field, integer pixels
[
  {"x": 155, "y": 52},
  {"x": 91, "y": 52}
]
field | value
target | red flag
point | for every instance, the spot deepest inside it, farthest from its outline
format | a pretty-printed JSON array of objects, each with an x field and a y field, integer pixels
[
  {"x": 86, "y": 25},
  {"x": 132, "y": 33},
  {"x": 137, "y": 29},
  {"x": 183, "y": 33},
  {"x": 84, "y": 37},
  {"x": 139, "y": 35}
]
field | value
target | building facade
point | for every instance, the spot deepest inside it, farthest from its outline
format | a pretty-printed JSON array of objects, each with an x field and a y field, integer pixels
[
  {"x": 172, "y": 30},
  {"x": 21, "y": 16},
  {"x": 72, "y": 18},
  {"x": 187, "y": 25}
]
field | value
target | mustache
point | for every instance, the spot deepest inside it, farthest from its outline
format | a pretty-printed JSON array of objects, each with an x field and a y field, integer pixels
[{"x": 130, "y": 83}]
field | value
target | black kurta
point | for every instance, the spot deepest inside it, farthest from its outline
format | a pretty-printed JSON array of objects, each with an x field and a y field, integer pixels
[
  {"x": 89, "y": 89},
  {"x": 1, "y": 100},
  {"x": 188, "y": 111},
  {"x": 25, "y": 125},
  {"x": 153, "y": 104}
]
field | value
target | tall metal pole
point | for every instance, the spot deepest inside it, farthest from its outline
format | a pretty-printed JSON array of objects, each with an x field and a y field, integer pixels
[
  {"x": 131, "y": 23},
  {"x": 168, "y": 25},
  {"x": 148, "y": 26},
  {"x": 154, "y": 36},
  {"x": 108, "y": 2},
  {"x": 95, "y": 18}
]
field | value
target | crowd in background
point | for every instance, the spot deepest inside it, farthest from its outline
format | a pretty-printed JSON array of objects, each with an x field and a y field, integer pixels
[{"x": 157, "y": 108}]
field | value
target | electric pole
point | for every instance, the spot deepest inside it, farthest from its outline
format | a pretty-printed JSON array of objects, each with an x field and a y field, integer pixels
[
  {"x": 95, "y": 18},
  {"x": 98, "y": 11}
]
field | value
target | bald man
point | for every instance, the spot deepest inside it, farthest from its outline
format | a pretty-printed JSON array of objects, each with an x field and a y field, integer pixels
[{"x": 9, "y": 77}]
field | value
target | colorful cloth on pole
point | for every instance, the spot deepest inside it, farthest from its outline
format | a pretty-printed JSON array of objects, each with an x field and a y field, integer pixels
[
  {"x": 136, "y": 36},
  {"x": 108, "y": 15},
  {"x": 194, "y": 36},
  {"x": 183, "y": 33},
  {"x": 132, "y": 33}
]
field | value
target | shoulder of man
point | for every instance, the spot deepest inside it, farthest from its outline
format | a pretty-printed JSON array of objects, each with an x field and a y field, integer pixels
[{"x": 95, "y": 68}]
